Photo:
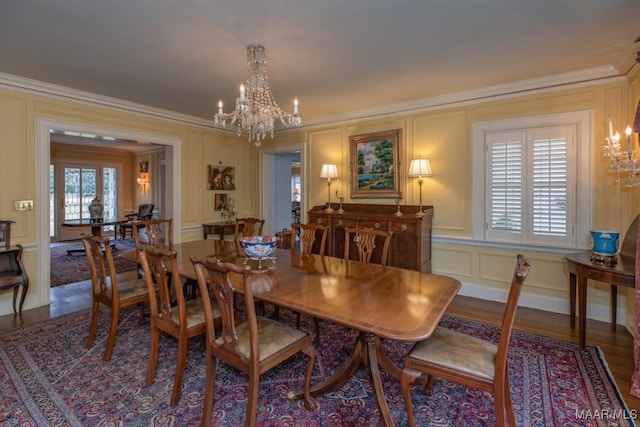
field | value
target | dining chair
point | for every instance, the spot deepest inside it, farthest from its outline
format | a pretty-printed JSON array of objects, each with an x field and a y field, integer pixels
[
  {"x": 468, "y": 360},
  {"x": 253, "y": 346},
  {"x": 365, "y": 241},
  {"x": 157, "y": 233},
  {"x": 108, "y": 291},
  {"x": 246, "y": 227},
  {"x": 308, "y": 234},
  {"x": 170, "y": 313},
  {"x": 145, "y": 211}
]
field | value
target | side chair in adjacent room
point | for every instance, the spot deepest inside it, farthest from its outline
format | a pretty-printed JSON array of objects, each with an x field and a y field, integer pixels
[
  {"x": 108, "y": 291},
  {"x": 253, "y": 346},
  {"x": 145, "y": 211},
  {"x": 467, "y": 360}
]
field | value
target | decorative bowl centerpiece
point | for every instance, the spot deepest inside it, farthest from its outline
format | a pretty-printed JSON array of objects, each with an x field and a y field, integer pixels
[{"x": 259, "y": 247}]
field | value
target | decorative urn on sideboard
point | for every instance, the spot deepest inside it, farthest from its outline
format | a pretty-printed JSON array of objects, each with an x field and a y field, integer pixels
[{"x": 96, "y": 210}]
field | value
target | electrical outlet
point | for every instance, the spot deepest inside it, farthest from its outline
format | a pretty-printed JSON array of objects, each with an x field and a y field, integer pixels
[{"x": 23, "y": 205}]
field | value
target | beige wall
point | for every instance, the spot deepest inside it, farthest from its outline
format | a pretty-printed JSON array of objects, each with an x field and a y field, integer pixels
[
  {"x": 199, "y": 146},
  {"x": 444, "y": 135}
]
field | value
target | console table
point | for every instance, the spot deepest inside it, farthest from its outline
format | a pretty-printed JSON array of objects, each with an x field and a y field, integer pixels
[
  {"x": 220, "y": 228},
  {"x": 410, "y": 245},
  {"x": 580, "y": 269}
]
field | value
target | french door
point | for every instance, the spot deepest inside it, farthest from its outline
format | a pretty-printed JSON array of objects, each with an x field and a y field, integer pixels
[{"x": 74, "y": 187}]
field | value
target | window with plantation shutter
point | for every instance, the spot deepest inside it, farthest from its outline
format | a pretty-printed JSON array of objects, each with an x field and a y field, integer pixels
[{"x": 530, "y": 187}]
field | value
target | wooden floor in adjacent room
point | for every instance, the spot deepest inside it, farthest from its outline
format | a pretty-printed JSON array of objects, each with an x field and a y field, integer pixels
[{"x": 617, "y": 346}]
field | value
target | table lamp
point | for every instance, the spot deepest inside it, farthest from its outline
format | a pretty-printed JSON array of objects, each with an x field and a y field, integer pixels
[
  {"x": 419, "y": 168},
  {"x": 329, "y": 171}
]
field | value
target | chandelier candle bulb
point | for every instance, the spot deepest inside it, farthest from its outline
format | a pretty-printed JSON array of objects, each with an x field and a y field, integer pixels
[
  {"x": 627, "y": 131},
  {"x": 295, "y": 105},
  {"x": 241, "y": 91},
  {"x": 611, "y": 134},
  {"x": 219, "y": 107}
]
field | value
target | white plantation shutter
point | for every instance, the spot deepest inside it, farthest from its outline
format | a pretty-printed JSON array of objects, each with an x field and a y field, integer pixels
[
  {"x": 550, "y": 187},
  {"x": 527, "y": 182}
]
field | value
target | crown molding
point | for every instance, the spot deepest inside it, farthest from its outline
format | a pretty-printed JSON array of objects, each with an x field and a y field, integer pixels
[
  {"x": 584, "y": 77},
  {"x": 37, "y": 87},
  {"x": 564, "y": 80}
]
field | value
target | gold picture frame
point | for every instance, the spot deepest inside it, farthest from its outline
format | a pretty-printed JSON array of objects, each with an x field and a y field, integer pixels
[
  {"x": 375, "y": 165},
  {"x": 220, "y": 201}
]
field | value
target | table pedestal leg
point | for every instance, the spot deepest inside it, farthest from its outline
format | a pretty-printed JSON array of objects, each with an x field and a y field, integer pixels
[
  {"x": 368, "y": 352},
  {"x": 582, "y": 309},
  {"x": 572, "y": 300},
  {"x": 614, "y": 306}
]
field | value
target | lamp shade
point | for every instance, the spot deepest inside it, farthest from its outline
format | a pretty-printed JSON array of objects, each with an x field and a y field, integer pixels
[
  {"x": 419, "y": 168},
  {"x": 329, "y": 171}
]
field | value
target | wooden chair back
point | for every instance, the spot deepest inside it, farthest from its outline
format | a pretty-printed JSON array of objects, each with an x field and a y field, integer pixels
[
  {"x": 246, "y": 227},
  {"x": 104, "y": 278},
  {"x": 213, "y": 278},
  {"x": 159, "y": 233},
  {"x": 365, "y": 241},
  {"x": 108, "y": 291},
  {"x": 160, "y": 266},
  {"x": 519, "y": 275},
  {"x": 308, "y": 235}
]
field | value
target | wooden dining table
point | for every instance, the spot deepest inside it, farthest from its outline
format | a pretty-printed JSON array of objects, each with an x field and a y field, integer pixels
[{"x": 379, "y": 302}]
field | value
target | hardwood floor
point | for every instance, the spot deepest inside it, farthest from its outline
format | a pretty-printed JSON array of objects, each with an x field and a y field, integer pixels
[{"x": 617, "y": 346}]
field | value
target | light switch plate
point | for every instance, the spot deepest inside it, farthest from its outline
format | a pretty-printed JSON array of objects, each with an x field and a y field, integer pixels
[{"x": 23, "y": 205}]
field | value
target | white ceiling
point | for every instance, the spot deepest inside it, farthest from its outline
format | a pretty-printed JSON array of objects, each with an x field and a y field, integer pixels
[{"x": 341, "y": 58}]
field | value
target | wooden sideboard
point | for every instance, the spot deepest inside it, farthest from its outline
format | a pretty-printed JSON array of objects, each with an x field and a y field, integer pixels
[{"x": 410, "y": 245}]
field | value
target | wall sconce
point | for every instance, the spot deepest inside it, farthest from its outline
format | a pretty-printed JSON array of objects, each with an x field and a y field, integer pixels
[
  {"x": 143, "y": 181},
  {"x": 329, "y": 171},
  {"x": 621, "y": 160},
  {"x": 419, "y": 168},
  {"x": 143, "y": 178}
]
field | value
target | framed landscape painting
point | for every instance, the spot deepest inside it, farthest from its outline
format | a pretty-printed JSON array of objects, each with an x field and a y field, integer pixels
[{"x": 375, "y": 165}]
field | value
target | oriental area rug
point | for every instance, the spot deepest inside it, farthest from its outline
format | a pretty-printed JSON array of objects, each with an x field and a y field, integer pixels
[
  {"x": 72, "y": 267},
  {"x": 49, "y": 378}
]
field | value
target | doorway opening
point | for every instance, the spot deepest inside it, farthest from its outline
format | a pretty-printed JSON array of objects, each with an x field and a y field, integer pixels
[
  {"x": 44, "y": 128},
  {"x": 277, "y": 189}
]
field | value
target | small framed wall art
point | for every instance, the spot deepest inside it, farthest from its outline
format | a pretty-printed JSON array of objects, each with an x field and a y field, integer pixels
[
  {"x": 221, "y": 177},
  {"x": 221, "y": 201}
]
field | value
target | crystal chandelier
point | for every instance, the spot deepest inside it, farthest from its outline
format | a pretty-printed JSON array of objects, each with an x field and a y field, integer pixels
[
  {"x": 623, "y": 161},
  {"x": 256, "y": 111}
]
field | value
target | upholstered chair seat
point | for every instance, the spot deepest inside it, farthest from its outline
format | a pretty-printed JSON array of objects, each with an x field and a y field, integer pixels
[
  {"x": 458, "y": 352},
  {"x": 272, "y": 337}
]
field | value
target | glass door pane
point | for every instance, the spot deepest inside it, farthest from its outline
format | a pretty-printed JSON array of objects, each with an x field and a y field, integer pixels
[
  {"x": 110, "y": 193},
  {"x": 79, "y": 191}
]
